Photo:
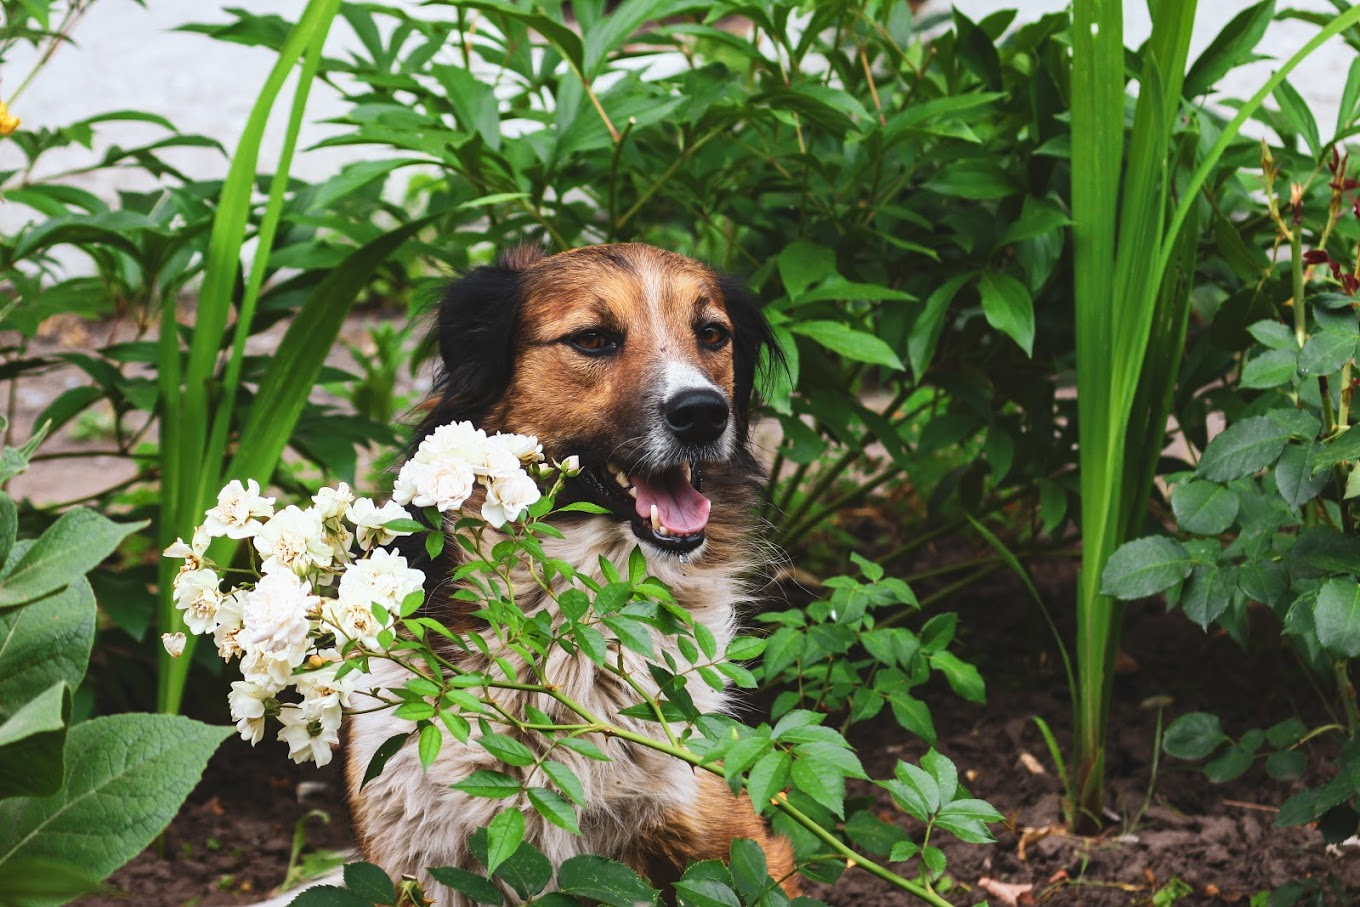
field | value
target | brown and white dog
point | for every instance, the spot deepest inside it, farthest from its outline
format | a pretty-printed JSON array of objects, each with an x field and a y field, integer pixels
[{"x": 641, "y": 362}]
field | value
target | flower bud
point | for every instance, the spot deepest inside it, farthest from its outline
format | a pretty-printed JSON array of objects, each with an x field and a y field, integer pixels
[{"x": 571, "y": 466}]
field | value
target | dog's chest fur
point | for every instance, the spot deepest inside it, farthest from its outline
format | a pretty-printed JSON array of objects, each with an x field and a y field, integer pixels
[{"x": 633, "y": 792}]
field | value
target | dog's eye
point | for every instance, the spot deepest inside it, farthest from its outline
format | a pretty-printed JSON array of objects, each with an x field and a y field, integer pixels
[
  {"x": 713, "y": 335},
  {"x": 593, "y": 342}
]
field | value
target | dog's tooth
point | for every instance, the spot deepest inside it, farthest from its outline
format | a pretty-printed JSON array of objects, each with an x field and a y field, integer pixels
[
  {"x": 622, "y": 479},
  {"x": 656, "y": 519},
  {"x": 632, "y": 492},
  {"x": 685, "y": 471}
]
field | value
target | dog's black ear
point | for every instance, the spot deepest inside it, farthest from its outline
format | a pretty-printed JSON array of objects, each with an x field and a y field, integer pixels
[
  {"x": 474, "y": 330},
  {"x": 752, "y": 342}
]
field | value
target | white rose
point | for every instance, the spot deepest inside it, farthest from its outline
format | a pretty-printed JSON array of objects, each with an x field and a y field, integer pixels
[
  {"x": 197, "y": 595},
  {"x": 237, "y": 510},
  {"x": 507, "y": 499},
  {"x": 445, "y": 484},
  {"x": 524, "y": 448},
  {"x": 294, "y": 540},
  {"x": 228, "y": 623},
  {"x": 458, "y": 441},
  {"x": 247, "y": 703},
  {"x": 276, "y": 616},
  {"x": 311, "y": 731},
  {"x": 331, "y": 503},
  {"x": 368, "y": 519}
]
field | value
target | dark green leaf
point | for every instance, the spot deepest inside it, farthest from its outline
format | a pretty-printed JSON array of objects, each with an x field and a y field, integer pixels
[
  {"x": 554, "y": 808},
  {"x": 1145, "y": 567},
  {"x": 1337, "y": 616},
  {"x": 1204, "y": 508},
  {"x": 369, "y": 882},
  {"x": 1008, "y": 307},
  {"x": 70, "y": 547},
  {"x": 478, "y": 888},
  {"x": 1193, "y": 736},
  {"x": 1242, "y": 449},
  {"x": 605, "y": 881}
]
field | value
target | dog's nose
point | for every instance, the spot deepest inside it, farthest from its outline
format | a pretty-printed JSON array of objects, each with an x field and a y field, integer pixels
[{"x": 697, "y": 416}]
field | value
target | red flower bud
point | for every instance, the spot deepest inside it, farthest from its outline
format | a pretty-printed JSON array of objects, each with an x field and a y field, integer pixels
[{"x": 1316, "y": 257}]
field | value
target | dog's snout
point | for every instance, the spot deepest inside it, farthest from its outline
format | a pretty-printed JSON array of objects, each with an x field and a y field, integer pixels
[{"x": 697, "y": 416}]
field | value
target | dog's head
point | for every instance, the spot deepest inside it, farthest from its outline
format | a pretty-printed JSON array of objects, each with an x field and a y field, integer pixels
[{"x": 639, "y": 361}]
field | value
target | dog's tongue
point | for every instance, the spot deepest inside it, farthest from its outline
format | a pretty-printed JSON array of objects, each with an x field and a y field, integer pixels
[{"x": 679, "y": 506}]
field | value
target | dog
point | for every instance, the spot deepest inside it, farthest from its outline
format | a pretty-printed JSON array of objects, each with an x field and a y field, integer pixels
[{"x": 641, "y": 362}]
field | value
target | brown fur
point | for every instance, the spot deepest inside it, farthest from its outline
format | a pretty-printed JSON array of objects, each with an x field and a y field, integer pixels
[{"x": 598, "y": 407}]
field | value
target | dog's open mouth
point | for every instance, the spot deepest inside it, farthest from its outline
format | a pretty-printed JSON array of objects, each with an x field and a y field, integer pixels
[{"x": 665, "y": 508}]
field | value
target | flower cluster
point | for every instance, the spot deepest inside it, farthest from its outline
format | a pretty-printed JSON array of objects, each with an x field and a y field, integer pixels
[
  {"x": 317, "y": 600},
  {"x": 453, "y": 458}
]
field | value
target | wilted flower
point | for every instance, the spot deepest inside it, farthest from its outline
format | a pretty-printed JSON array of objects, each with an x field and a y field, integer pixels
[
  {"x": 174, "y": 643},
  {"x": 228, "y": 623},
  {"x": 197, "y": 595},
  {"x": 368, "y": 519},
  {"x": 508, "y": 498},
  {"x": 295, "y": 540}
]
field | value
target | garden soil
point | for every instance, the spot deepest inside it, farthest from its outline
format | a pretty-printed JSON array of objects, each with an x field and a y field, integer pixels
[{"x": 1216, "y": 843}]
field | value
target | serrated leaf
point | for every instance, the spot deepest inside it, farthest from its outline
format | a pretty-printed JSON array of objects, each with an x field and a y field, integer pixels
[
  {"x": 1325, "y": 352},
  {"x": 566, "y": 779},
  {"x": 507, "y": 749},
  {"x": 1145, "y": 567},
  {"x": 1193, "y": 736},
  {"x": 1242, "y": 449},
  {"x": 967, "y": 820},
  {"x": 963, "y": 678},
  {"x": 767, "y": 777},
  {"x": 1273, "y": 368},
  {"x": 369, "y": 882},
  {"x": 1204, "y": 508},
  {"x": 503, "y": 837},
  {"x": 1337, "y": 616},
  {"x": 943, "y": 771},
  {"x": 487, "y": 782},
  {"x": 554, "y": 808},
  {"x": 813, "y": 778},
  {"x": 480, "y": 889},
  {"x": 1208, "y": 593},
  {"x": 605, "y": 881},
  {"x": 1295, "y": 477}
]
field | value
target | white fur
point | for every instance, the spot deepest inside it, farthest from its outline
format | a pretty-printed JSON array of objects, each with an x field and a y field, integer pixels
[{"x": 415, "y": 820}]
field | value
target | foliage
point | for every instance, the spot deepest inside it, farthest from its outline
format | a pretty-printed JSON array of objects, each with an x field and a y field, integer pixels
[
  {"x": 126, "y": 774},
  {"x": 1133, "y": 295},
  {"x": 1268, "y": 513}
]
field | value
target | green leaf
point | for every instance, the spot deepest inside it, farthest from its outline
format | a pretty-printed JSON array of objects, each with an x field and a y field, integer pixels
[
  {"x": 429, "y": 744},
  {"x": 370, "y": 883},
  {"x": 802, "y": 263},
  {"x": 503, "y": 837},
  {"x": 9, "y": 526},
  {"x": 698, "y": 887},
  {"x": 488, "y": 783},
  {"x": 385, "y": 751},
  {"x": 978, "y": 179},
  {"x": 45, "y": 642},
  {"x": 744, "y": 648},
  {"x": 769, "y": 776},
  {"x": 26, "y": 882},
  {"x": 967, "y": 820},
  {"x": 1337, "y": 616},
  {"x": 819, "y": 779},
  {"x": 1242, "y": 449},
  {"x": 848, "y": 342},
  {"x": 1008, "y": 307},
  {"x": 1038, "y": 217},
  {"x": 963, "y": 678},
  {"x": 1296, "y": 113},
  {"x": 507, "y": 749},
  {"x": 552, "y": 807},
  {"x": 1325, "y": 353},
  {"x": 1273, "y": 368},
  {"x": 605, "y": 881},
  {"x": 1204, "y": 508},
  {"x": 76, "y": 543},
  {"x": 479, "y": 889},
  {"x": 1145, "y": 567},
  {"x": 1193, "y": 736},
  {"x": 329, "y": 896},
  {"x": 944, "y": 772},
  {"x": 562, "y": 775},
  {"x": 1294, "y": 475},
  {"x": 126, "y": 776},
  {"x": 1350, "y": 98},
  {"x": 32, "y": 741},
  {"x": 914, "y": 790},
  {"x": 527, "y": 871},
  {"x": 1208, "y": 593},
  {"x": 1230, "y": 48}
]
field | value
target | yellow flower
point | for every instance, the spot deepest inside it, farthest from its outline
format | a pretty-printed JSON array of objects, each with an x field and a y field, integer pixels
[{"x": 8, "y": 122}]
